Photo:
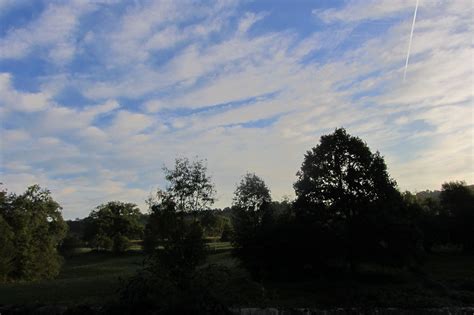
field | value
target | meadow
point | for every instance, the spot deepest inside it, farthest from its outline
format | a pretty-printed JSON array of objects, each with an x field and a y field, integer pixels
[{"x": 93, "y": 278}]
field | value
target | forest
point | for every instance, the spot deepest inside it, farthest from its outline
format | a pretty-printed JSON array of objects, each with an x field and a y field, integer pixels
[{"x": 349, "y": 238}]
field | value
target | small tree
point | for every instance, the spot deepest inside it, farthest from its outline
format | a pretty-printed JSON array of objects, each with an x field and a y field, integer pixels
[
  {"x": 253, "y": 225},
  {"x": 190, "y": 188},
  {"x": 251, "y": 193},
  {"x": 111, "y": 225},
  {"x": 175, "y": 247}
]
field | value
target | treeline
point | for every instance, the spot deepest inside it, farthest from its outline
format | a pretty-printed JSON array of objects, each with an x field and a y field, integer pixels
[
  {"x": 348, "y": 211},
  {"x": 114, "y": 226}
]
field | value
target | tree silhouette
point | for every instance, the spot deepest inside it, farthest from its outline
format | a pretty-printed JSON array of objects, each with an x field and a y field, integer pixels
[
  {"x": 346, "y": 191},
  {"x": 189, "y": 185},
  {"x": 253, "y": 225},
  {"x": 251, "y": 193}
]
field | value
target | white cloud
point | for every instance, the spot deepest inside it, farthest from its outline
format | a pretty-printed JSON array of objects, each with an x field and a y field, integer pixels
[
  {"x": 127, "y": 123},
  {"x": 20, "y": 101},
  {"x": 53, "y": 29},
  {"x": 154, "y": 105},
  {"x": 248, "y": 21},
  {"x": 357, "y": 10}
]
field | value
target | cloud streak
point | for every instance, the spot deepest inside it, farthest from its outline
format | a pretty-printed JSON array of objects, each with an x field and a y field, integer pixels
[{"x": 409, "y": 42}]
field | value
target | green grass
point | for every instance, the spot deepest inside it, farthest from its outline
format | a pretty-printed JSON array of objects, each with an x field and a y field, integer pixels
[
  {"x": 93, "y": 278},
  {"x": 85, "y": 278},
  {"x": 89, "y": 277}
]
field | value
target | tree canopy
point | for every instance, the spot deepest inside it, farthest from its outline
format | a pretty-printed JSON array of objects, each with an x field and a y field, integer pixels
[
  {"x": 346, "y": 191},
  {"x": 189, "y": 186},
  {"x": 252, "y": 221},
  {"x": 342, "y": 175},
  {"x": 251, "y": 193},
  {"x": 32, "y": 227},
  {"x": 111, "y": 225}
]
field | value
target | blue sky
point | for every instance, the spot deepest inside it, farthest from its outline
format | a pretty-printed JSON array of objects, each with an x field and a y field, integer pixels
[{"x": 96, "y": 96}]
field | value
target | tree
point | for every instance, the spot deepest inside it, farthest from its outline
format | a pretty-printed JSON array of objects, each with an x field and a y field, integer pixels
[
  {"x": 175, "y": 246},
  {"x": 173, "y": 280},
  {"x": 6, "y": 250},
  {"x": 213, "y": 223},
  {"x": 457, "y": 199},
  {"x": 32, "y": 228},
  {"x": 189, "y": 190},
  {"x": 251, "y": 193},
  {"x": 189, "y": 186},
  {"x": 253, "y": 225},
  {"x": 432, "y": 220},
  {"x": 346, "y": 191},
  {"x": 111, "y": 225}
]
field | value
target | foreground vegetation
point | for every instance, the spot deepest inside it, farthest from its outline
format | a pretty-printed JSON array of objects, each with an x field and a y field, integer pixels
[{"x": 94, "y": 278}]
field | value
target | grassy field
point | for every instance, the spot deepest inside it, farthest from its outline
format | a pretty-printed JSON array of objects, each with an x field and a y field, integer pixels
[
  {"x": 90, "y": 278},
  {"x": 93, "y": 278},
  {"x": 85, "y": 278}
]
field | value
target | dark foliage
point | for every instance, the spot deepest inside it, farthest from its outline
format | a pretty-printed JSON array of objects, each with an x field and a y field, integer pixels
[
  {"x": 252, "y": 216},
  {"x": 31, "y": 228},
  {"x": 112, "y": 225},
  {"x": 345, "y": 193},
  {"x": 170, "y": 282},
  {"x": 227, "y": 233},
  {"x": 69, "y": 244},
  {"x": 251, "y": 193},
  {"x": 189, "y": 186},
  {"x": 457, "y": 202}
]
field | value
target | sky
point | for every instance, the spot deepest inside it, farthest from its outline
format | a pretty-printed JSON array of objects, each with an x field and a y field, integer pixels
[{"x": 97, "y": 96}]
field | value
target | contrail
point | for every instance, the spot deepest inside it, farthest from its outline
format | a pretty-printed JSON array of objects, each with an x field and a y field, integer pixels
[{"x": 409, "y": 43}]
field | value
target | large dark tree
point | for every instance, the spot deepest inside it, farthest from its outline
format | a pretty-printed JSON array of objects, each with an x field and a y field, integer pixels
[
  {"x": 31, "y": 228},
  {"x": 346, "y": 192},
  {"x": 112, "y": 225}
]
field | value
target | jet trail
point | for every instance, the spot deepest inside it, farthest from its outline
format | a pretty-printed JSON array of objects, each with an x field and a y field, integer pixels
[{"x": 409, "y": 43}]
